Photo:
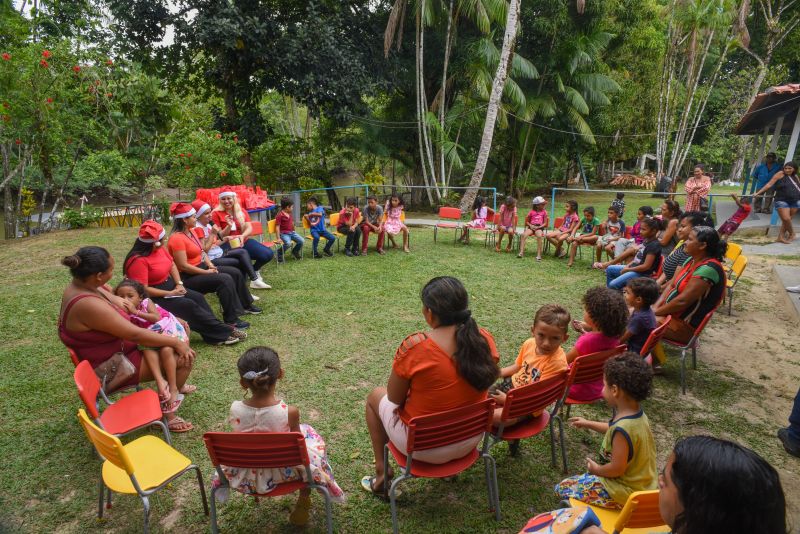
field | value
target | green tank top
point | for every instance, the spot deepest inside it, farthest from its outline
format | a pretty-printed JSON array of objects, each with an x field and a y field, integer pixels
[{"x": 641, "y": 473}]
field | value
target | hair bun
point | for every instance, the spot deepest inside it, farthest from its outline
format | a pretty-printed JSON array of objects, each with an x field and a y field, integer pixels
[{"x": 71, "y": 261}]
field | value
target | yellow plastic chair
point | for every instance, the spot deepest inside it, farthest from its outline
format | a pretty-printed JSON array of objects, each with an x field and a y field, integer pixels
[
  {"x": 733, "y": 278},
  {"x": 733, "y": 252},
  {"x": 141, "y": 467},
  {"x": 307, "y": 230},
  {"x": 334, "y": 222},
  {"x": 640, "y": 515},
  {"x": 402, "y": 220},
  {"x": 274, "y": 241}
]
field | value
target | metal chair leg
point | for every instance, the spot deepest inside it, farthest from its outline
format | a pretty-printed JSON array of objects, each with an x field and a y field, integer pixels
[
  {"x": 435, "y": 231},
  {"x": 694, "y": 355},
  {"x": 385, "y": 468},
  {"x": 563, "y": 444},
  {"x": 214, "y": 527},
  {"x": 164, "y": 424},
  {"x": 393, "y": 500},
  {"x": 552, "y": 444},
  {"x": 328, "y": 509},
  {"x": 108, "y": 498},
  {"x": 101, "y": 490},
  {"x": 202, "y": 488},
  {"x": 488, "y": 475},
  {"x": 497, "y": 513},
  {"x": 683, "y": 371},
  {"x": 146, "y": 506}
]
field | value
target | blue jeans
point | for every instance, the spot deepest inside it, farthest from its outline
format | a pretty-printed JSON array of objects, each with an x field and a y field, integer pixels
[
  {"x": 316, "y": 234},
  {"x": 615, "y": 280},
  {"x": 260, "y": 254},
  {"x": 287, "y": 241},
  {"x": 794, "y": 420}
]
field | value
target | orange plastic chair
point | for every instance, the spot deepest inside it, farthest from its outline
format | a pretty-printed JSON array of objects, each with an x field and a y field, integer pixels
[
  {"x": 449, "y": 219},
  {"x": 130, "y": 413},
  {"x": 437, "y": 430},
  {"x": 257, "y": 228},
  {"x": 660, "y": 268},
  {"x": 272, "y": 240},
  {"x": 142, "y": 467},
  {"x": 640, "y": 515},
  {"x": 585, "y": 369},
  {"x": 654, "y": 338},
  {"x": 524, "y": 401},
  {"x": 74, "y": 357},
  {"x": 691, "y": 344},
  {"x": 262, "y": 450}
]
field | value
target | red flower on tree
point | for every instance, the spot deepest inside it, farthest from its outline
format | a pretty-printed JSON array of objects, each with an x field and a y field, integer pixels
[
  {"x": 6, "y": 56},
  {"x": 219, "y": 136},
  {"x": 180, "y": 155},
  {"x": 6, "y": 105},
  {"x": 109, "y": 95},
  {"x": 44, "y": 64},
  {"x": 6, "y": 118},
  {"x": 49, "y": 100},
  {"x": 46, "y": 54},
  {"x": 188, "y": 154},
  {"x": 187, "y": 167},
  {"x": 235, "y": 138},
  {"x": 76, "y": 68},
  {"x": 18, "y": 141},
  {"x": 109, "y": 62},
  {"x": 224, "y": 174}
]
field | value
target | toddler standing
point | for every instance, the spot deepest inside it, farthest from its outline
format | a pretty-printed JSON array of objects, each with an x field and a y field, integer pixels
[
  {"x": 508, "y": 223},
  {"x": 259, "y": 371},
  {"x": 628, "y": 450}
]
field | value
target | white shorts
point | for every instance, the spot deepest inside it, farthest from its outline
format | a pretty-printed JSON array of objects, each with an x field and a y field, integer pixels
[{"x": 397, "y": 431}]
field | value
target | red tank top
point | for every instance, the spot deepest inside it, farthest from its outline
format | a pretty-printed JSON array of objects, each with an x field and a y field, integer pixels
[{"x": 95, "y": 346}]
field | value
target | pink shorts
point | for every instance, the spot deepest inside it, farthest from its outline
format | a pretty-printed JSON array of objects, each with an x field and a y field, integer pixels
[{"x": 397, "y": 431}]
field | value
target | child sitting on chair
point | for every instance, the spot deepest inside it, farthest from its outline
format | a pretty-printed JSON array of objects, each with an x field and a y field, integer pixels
[
  {"x": 259, "y": 372},
  {"x": 316, "y": 219},
  {"x": 586, "y": 234},
  {"x": 349, "y": 220},
  {"x": 628, "y": 450},
  {"x": 567, "y": 228},
  {"x": 614, "y": 230},
  {"x": 731, "y": 225},
  {"x": 479, "y": 214},
  {"x": 284, "y": 227},
  {"x": 605, "y": 315},
  {"x": 540, "y": 357},
  {"x": 640, "y": 294},
  {"x": 394, "y": 220},
  {"x": 372, "y": 222}
]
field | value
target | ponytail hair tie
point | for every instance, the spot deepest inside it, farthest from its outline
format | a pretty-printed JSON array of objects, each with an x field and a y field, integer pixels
[
  {"x": 463, "y": 316},
  {"x": 252, "y": 375}
]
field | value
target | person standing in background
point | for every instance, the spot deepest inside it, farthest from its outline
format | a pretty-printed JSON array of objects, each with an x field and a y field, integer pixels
[{"x": 761, "y": 175}]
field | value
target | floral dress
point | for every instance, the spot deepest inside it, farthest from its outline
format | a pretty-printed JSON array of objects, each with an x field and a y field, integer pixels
[
  {"x": 168, "y": 325},
  {"x": 244, "y": 418},
  {"x": 393, "y": 224}
]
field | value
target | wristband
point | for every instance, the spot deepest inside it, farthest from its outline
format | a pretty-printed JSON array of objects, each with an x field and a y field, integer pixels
[{"x": 179, "y": 282}]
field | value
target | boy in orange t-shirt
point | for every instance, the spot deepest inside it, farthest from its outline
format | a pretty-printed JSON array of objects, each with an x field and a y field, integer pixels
[{"x": 540, "y": 357}]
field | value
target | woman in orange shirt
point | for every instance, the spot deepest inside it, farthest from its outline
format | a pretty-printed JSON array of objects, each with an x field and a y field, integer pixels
[{"x": 450, "y": 366}]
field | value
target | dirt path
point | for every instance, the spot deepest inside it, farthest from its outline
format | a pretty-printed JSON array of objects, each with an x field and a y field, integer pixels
[{"x": 760, "y": 343}]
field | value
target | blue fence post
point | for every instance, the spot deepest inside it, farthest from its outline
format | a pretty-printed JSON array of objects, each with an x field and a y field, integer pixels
[
  {"x": 553, "y": 204},
  {"x": 494, "y": 199},
  {"x": 296, "y": 207}
]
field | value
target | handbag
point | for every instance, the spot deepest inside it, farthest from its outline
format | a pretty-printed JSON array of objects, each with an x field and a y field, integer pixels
[{"x": 115, "y": 372}]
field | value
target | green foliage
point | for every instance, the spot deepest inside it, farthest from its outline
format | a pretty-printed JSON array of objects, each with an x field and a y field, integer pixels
[
  {"x": 374, "y": 177},
  {"x": 107, "y": 169},
  {"x": 198, "y": 158},
  {"x": 82, "y": 217}
]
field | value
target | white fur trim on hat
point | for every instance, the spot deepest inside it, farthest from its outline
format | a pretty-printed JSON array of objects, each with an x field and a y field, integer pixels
[
  {"x": 224, "y": 194},
  {"x": 184, "y": 215}
]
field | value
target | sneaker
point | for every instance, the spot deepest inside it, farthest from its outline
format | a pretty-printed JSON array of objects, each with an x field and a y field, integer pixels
[
  {"x": 254, "y": 297},
  {"x": 253, "y": 310},
  {"x": 793, "y": 289},
  {"x": 259, "y": 283},
  {"x": 356, "y": 253},
  {"x": 297, "y": 256},
  {"x": 240, "y": 325},
  {"x": 788, "y": 444},
  {"x": 381, "y": 252},
  {"x": 347, "y": 253},
  {"x": 232, "y": 340},
  {"x": 239, "y": 334},
  {"x": 327, "y": 253}
]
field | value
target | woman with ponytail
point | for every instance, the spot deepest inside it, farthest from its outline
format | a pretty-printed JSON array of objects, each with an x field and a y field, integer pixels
[{"x": 451, "y": 365}]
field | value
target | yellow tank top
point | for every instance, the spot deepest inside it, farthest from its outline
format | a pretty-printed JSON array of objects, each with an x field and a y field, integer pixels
[{"x": 641, "y": 473}]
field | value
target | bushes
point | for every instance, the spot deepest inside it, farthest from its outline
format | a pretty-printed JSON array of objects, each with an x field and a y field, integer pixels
[{"x": 81, "y": 218}]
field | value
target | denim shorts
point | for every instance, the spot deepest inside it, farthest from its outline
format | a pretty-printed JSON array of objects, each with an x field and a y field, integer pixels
[{"x": 784, "y": 204}]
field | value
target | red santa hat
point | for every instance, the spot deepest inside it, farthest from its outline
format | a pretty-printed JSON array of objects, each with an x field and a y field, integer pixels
[
  {"x": 200, "y": 207},
  {"x": 181, "y": 210},
  {"x": 226, "y": 193},
  {"x": 151, "y": 232}
]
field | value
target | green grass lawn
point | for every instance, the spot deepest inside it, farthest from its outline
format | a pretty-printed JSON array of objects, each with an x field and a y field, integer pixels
[{"x": 335, "y": 324}]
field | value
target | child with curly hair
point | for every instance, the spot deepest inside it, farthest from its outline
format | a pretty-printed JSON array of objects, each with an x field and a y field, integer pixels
[
  {"x": 628, "y": 449},
  {"x": 605, "y": 316}
]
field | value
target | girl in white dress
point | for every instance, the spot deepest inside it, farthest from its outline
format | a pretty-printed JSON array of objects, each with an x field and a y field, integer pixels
[{"x": 260, "y": 370}]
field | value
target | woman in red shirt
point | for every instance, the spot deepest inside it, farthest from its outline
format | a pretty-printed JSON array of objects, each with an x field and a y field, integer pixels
[
  {"x": 450, "y": 366},
  {"x": 149, "y": 263},
  {"x": 200, "y": 274},
  {"x": 232, "y": 222}
]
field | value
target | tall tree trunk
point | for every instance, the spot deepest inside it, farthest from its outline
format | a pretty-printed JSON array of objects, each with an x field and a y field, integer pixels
[
  {"x": 494, "y": 104},
  {"x": 443, "y": 99},
  {"x": 232, "y": 114}
]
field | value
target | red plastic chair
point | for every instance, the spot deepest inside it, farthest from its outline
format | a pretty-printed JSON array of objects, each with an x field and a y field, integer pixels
[
  {"x": 258, "y": 229},
  {"x": 525, "y": 401},
  {"x": 131, "y": 412},
  {"x": 691, "y": 344},
  {"x": 262, "y": 450},
  {"x": 74, "y": 357},
  {"x": 450, "y": 219},
  {"x": 654, "y": 337},
  {"x": 660, "y": 269},
  {"x": 437, "y": 430},
  {"x": 556, "y": 224}
]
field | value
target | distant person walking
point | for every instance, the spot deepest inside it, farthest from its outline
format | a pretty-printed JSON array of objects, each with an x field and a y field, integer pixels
[
  {"x": 697, "y": 188},
  {"x": 761, "y": 175}
]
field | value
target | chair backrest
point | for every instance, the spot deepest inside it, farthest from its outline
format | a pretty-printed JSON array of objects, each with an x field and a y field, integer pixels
[
  {"x": 271, "y": 225},
  {"x": 108, "y": 446},
  {"x": 738, "y": 266},
  {"x": 589, "y": 367},
  {"x": 654, "y": 337},
  {"x": 489, "y": 215},
  {"x": 627, "y": 232},
  {"x": 88, "y": 386},
  {"x": 403, "y": 216},
  {"x": 534, "y": 397},
  {"x": 306, "y": 224},
  {"x": 256, "y": 450},
  {"x": 733, "y": 251},
  {"x": 334, "y": 219},
  {"x": 496, "y": 219},
  {"x": 452, "y": 426},
  {"x": 658, "y": 272},
  {"x": 640, "y": 511},
  {"x": 558, "y": 222},
  {"x": 74, "y": 357},
  {"x": 257, "y": 227},
  {"x": 449, "y": 213}
]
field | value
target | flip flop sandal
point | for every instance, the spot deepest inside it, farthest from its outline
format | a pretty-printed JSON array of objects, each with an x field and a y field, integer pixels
[
  {"x": 163, "y": 395},
  {"x": 188, "y": 388},
  {"x": 178, "y": 426},
  {"x": 366, "y": 485},
  {"x": 171, "y": 407}
]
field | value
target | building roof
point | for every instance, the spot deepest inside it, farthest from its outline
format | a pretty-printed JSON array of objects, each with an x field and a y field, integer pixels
[{"x": 768, "y": 106}]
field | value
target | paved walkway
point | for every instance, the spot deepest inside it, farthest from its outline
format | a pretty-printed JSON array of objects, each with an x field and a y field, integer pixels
[{"x": 773, "y": 249}]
